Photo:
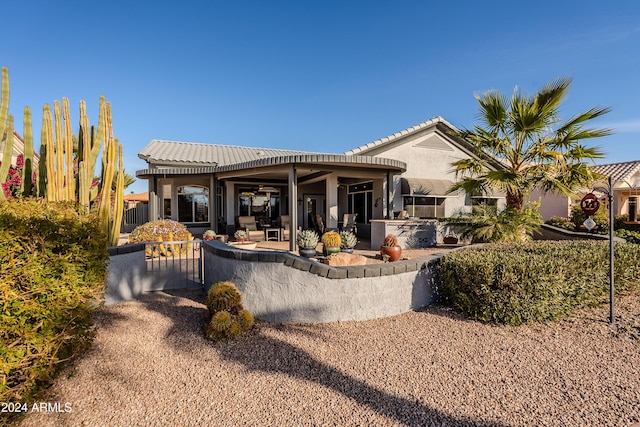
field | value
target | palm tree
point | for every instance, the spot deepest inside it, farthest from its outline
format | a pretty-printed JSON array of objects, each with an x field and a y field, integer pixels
[{"x": 534, "y": 148}]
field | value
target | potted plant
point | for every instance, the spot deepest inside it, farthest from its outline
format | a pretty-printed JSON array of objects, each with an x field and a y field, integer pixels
[
  {"x": 331, "y": 243},
  {"x": 307, "y": 241},
  {"x": 348, "y": 241},
  {"x": 391, "y": 248},
  {"x": 209, "y": 235},
  {"x": 240, "y": 236}
]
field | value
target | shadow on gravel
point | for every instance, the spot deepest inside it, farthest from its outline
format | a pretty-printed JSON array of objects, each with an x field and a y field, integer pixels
[
  {"x": 259, "y": 352},
  {"x": 263, "y": 353}
]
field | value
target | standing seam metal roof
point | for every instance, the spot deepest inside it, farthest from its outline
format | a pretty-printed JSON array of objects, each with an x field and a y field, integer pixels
[
  {"x": 208, "y": 154},
  {"x": 388, "y": 139}
]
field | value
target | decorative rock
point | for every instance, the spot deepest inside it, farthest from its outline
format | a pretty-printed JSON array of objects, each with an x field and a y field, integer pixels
[{"x": 343, "y": 258}]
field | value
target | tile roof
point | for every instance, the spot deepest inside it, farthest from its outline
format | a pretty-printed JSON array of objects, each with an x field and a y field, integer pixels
[
  {"x": 158, "y": 151},
  {"x": 136, "y": 197},
  {"x": 389, "y": 139},
  {"x": 619, "y": 171}
]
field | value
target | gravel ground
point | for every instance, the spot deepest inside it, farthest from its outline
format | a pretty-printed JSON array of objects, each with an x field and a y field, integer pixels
[{"x": 151, "y": 366}]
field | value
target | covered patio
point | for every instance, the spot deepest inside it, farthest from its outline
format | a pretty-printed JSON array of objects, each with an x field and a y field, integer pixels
[{"x": 297, "y": 188}]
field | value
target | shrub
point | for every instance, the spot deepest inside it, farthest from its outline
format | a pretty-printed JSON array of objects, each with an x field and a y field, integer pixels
[
  {"x": 534, "y": 281},
  {"x": 629, "y": 236},
  {"x": 560, "y": 222},
  {"x": 52, "y": 277},
  {"x": 510, "y": 225},
  {"x": 228, "y": 318},
  {"x": 601, "y": 218},
  {"x": 160, "y": 230}
]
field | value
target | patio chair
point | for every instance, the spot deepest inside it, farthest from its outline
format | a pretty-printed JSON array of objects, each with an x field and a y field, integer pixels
[
  {"x": 319, "y": 224},
  {"x": 285, "y": 225},
  {"x": 349, "y": 223},
  {"x": 249, "y": 224}
]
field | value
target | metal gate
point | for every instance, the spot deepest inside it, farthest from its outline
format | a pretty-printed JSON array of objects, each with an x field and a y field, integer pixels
[{"x": 175, "y": 264}]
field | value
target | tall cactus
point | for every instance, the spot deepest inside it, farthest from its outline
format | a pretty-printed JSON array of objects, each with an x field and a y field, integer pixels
[
  {"x": 46, "y": 140},
  {"x": 6, "y": 156},
  {"x": 27, "y": 171},
  {"x": 4, "y": 118}
]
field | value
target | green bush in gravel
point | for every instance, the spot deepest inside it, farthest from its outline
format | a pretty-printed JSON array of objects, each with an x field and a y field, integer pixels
[
  {"x": 52, "y": 277},
  {"x": 535, "y": 281}
]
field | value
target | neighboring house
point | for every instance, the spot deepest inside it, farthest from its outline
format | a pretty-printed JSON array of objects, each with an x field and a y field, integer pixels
[
  {"x": 136, "y": 211},
  {"x": 626, "y": 192},
  {"x": 211, "y": 186},
  {"x": 626, "y": 186},
  {"x": 18, "y": 148}
]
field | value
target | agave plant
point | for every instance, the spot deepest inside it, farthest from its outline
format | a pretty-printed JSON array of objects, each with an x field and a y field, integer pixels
[
  {"x": 348, "y": 240},
  {"x": 307, "y": 239}
]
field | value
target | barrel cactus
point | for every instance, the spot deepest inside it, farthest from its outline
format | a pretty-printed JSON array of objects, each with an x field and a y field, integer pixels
[
  {"x": 228, "y": 318},
  {"x": 331, "y": 239}
]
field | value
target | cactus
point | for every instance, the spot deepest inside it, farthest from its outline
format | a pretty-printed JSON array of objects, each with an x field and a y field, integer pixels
[
  {"x": 4, "y": 119},
  {"x": 6, "y": 156},
  {"x": 390, "y": 240},
  {"x": 223, "y": 296},
  {"x": 27, "y": 172},
  {"x": 331, "y": 239},
  {"x": 240, "y": 235},
  {"x": 228, "y": 318},
  {"x": 348, "y": 240},
  {"x": 209, "y": 235},
  {"x": 307, "y": 239}
]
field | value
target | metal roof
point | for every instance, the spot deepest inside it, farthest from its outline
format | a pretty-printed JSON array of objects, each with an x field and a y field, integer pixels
[
  {"x": 176, "y": 152},
  {"x": 299, "y": 159},
  {"x": 391, "y": 138},
  {"x": 620, "y": 172}
]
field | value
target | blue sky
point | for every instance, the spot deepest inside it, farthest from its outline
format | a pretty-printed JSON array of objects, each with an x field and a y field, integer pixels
[{"x": 320, "y": 76}]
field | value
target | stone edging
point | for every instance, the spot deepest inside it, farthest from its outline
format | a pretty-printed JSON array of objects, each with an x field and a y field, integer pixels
[
  {"x": 322, "y": 270},
  {"x": 125, "y": 249}
]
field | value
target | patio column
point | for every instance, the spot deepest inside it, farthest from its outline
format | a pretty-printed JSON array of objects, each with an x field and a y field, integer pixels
[
  {"x": 293, "y": 207},
  {"x": 331, "y": 192},
  {"x": 213, "y": 203},
  {"x": 153, "y": 198}
]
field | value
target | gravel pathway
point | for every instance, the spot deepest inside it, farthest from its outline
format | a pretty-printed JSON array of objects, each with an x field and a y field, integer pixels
[{"x": 151, "y": 366}]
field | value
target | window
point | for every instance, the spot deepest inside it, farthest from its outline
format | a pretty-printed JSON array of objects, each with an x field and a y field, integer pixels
[
  {"x": 361, "y": 201},
  {"x": 633, "y": 209},
  {"x": 261, "y": 202},
  {"x": 424, "y": 207},
  {"x": 193, "y": 204},
  {"x": 491, "y": 204}
]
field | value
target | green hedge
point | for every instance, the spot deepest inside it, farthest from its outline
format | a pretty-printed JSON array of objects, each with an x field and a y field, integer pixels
[
  {"x": 536, "y": 281},
  {"x": 52, "y": 277}
]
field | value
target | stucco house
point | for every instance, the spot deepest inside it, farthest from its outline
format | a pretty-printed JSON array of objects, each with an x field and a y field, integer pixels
[
  {"x": 212, "y": 186},
  {"x": 626, "y": 192},
  {"x": 17, "y": 149}
]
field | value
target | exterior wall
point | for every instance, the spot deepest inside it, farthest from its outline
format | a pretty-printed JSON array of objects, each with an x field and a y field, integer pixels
[
  {"x": 414, "y": 233},
  {"x": 129, "y": 274},
  {"x": 423, "y": 162},
  {"x": 281, "y": 287},
  {"x": 551, "y": 204}
]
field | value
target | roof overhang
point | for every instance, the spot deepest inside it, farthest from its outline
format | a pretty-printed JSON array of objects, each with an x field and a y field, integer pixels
[
  {"x": 329, "y": 161},
  {"x": 424, "y": 187}
]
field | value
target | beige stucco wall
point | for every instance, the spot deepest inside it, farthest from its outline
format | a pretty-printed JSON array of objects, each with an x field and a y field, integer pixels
[{"x": 430, "y": 163}]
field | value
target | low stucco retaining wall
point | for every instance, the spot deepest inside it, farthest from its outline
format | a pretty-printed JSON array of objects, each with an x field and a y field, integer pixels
[
  {"x": 282, "y": 287},
  {"x": 128, "y": 275}
]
